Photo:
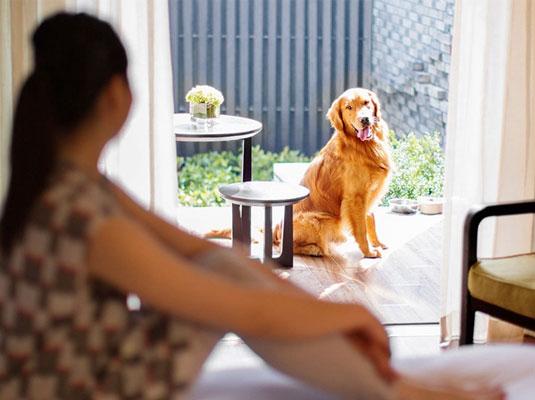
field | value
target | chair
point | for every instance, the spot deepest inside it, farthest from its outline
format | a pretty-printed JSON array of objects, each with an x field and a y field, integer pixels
[{"x": 502, "y": 287}]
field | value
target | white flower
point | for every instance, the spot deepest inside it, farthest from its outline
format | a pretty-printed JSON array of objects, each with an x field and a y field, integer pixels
[{"x": 205, "y": 94}]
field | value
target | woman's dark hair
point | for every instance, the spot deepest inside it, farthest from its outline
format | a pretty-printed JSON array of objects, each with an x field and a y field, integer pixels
[{"x": 75, "y": 56}]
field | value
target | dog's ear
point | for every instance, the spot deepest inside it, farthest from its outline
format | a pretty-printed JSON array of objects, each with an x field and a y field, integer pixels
[
  {"x": 376, "y": 105},
  {"x": 334, "y": 115}
]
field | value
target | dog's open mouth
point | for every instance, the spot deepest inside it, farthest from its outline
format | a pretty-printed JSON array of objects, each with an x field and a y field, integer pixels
[{"x": 364, "y": 134}]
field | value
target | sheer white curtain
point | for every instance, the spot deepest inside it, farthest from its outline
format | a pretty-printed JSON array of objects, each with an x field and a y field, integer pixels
[
  {"x": 6, "y": 91},
  {"x": 490, "y": 149},
  {"x": 17, "y": 21},
  {"x": 143, "y": 158}
]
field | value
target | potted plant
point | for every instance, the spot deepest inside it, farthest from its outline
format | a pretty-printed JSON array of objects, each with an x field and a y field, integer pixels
[{"x": 204, "y": 105}]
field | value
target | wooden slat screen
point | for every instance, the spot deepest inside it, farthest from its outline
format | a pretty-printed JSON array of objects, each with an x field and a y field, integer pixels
[{"x": 278, "y": 61}]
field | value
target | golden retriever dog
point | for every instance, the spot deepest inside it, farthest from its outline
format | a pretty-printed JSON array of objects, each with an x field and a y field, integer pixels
[{"x": 346, "y": 180}]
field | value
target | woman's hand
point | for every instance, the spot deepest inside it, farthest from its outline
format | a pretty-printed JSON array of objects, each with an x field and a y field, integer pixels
[{"x": 371, "y": 340}]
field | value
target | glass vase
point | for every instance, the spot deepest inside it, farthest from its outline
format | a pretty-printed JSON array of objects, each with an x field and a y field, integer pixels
[{"x": 203, "y": 115}]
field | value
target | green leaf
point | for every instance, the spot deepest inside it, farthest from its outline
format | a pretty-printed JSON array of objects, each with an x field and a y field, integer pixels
[{"x": 419, "y": 170}]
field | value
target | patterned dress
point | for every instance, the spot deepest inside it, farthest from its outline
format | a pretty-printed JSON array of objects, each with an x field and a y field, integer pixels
[{"x": 66, "y": 335}]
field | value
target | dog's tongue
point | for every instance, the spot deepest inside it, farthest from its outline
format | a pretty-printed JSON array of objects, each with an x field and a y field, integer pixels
[{"x": 363, "y": 134}]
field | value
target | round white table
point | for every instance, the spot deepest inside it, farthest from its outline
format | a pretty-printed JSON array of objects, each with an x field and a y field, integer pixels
[{"x": 227, "y": 128}]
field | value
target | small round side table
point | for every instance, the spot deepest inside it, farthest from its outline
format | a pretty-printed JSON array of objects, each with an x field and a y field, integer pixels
[{"x": 267, "y": 195}]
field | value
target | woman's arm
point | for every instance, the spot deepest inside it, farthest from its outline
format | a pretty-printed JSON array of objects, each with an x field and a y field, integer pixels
[
  {"x": 125, "y": 255},
  {"x": 180, "y": 241},
  {"x": 185, "y": 244}
]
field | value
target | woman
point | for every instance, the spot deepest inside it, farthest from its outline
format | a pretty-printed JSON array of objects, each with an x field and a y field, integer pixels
[{"x": 73, "y": 245}]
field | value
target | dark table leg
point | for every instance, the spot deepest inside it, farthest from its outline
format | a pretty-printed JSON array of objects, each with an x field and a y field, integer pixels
[
  {"x": 286, "y": 258},
  {"x": 247, "y": 160},
  {"x": 236, "y": 225},
  {"x": 247, "y": 174},
  {"x": 246, "y": 225},
  {"x": 268, "y": 235}
]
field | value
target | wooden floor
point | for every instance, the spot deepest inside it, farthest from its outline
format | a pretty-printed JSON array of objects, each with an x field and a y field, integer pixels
[{"x": 402, "y": 287}]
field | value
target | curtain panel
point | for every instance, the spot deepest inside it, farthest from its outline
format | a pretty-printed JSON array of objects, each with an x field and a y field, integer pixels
[
  {"x": 142, "y": 159},
  {"x": 490, "y": 139}
]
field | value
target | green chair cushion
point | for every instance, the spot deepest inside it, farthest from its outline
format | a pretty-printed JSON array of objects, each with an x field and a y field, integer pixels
[{"x": 507, "y": 282}]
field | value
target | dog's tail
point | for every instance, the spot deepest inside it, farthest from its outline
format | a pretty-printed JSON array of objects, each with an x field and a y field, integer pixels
[
  {"x": 311, "y": 217},
  {"x": 218, "y": 234},
  {"x": 277, "y": 235}
]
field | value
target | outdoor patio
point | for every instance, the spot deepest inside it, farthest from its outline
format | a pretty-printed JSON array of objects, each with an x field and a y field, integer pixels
[{"x": 402, "y": 287}]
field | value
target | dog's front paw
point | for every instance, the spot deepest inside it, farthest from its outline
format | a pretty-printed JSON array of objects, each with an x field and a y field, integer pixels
[
  {"x": 380, "y": 245},
  {"x": 372, "y": 254}
]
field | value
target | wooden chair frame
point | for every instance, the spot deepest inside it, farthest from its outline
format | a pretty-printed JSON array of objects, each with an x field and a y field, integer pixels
[{"x": 469, "y": 304}]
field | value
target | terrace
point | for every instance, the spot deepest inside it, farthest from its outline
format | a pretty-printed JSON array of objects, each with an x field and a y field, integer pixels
[{"x": 402, "y": 287}]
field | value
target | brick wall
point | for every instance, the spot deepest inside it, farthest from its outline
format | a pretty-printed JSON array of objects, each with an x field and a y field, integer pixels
[{"x": 411, "y": 47}]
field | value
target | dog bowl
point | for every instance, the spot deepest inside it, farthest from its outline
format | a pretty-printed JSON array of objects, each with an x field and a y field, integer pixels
[
  {"x": 403, "y": 206},
  {"x": 431, "y": 205}
]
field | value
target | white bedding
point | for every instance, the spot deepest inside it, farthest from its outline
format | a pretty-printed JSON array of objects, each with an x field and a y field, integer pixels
[{"x": 512, "y": 366}]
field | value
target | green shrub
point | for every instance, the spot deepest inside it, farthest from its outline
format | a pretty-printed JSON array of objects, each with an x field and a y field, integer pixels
[
  {"x": 263, "y": 161},
  {"x": 419, "y": 170},
  {"x": 201, "y": 174}
]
